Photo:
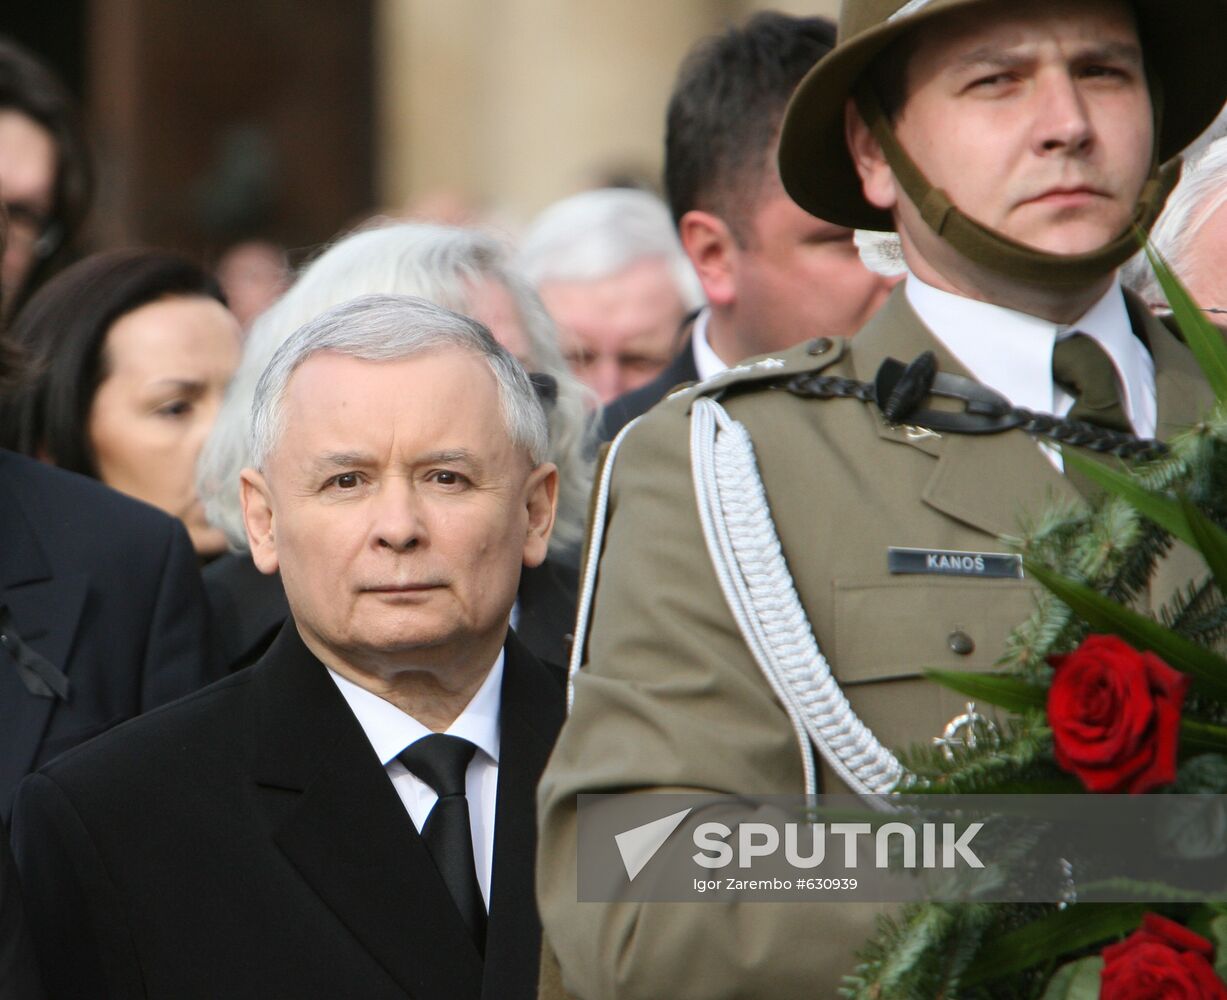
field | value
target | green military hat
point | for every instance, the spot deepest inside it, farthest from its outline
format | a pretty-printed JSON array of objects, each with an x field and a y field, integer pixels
[{"x": 1182, "y": 41}]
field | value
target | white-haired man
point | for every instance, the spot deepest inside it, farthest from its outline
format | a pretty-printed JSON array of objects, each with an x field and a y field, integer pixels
[
  {"x": 352, "y": 815},
  {"x": 1191, "y": 235},
  {"x": 612, "y": 274}
]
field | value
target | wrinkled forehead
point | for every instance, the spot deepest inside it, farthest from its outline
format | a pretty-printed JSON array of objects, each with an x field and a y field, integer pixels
[
  {"x": 961, "y": 34},
  {"x": 446, "y": 397}
]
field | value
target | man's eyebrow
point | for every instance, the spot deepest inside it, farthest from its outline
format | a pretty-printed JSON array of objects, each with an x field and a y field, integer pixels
[
  {"x": 455, "y": 456},
  {"x": 343, "y": 459},
  {"x": 991, "y": 55}
]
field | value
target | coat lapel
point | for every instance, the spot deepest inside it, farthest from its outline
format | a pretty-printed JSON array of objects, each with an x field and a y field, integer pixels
[
  {"x": 1023, "y": 479},
  {"x": 45, "y": 610},
  {"x": 341, "y": 824},
  {"x": 530, "y": 716}
]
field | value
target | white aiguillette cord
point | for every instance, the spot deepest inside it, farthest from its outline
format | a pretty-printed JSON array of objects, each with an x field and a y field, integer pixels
[{"x": 749, "y": 564}]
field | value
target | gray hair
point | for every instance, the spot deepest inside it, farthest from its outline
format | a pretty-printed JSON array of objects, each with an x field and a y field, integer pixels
[
  {"x": 392, "y": 328},
  {"x": 1202, "y": 191},
  {"x": 596, "y": 234},
  {"x": 439, "y": 263}
]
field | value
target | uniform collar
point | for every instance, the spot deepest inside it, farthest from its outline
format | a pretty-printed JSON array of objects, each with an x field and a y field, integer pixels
[{"x": 1011, "y": 352}]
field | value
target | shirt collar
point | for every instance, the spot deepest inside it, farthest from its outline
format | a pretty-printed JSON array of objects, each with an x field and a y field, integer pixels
[
  {"x": 390, "y": 730},
  {"x": 706, "y": 361},
  {"x": 1011, "y": 352}
]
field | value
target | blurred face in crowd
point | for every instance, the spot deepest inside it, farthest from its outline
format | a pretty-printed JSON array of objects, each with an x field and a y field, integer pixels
[
  {"x": 1035, "y": 119},
  {"x": 494, "y": 307},
  {"x": 28, "y": 166},
  {"x": 618, "y": 332},
  {"x": 798, "y": 276},
  {"x": 398, "y": 511},
  {"x": 253, "y": 276},
  {"x": 165, "y": 368}
]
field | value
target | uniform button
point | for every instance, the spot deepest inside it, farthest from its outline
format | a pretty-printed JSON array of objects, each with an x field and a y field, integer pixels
[
  {"x": 819, "y": 345},
  {"x": 960, "y": 643}
]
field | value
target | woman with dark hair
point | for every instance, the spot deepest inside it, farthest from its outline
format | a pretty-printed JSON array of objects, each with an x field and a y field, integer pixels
[{"x": 131, "y": 351}]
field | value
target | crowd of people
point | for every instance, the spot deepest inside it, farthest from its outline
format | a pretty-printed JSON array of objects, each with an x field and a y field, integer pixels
[{"x": 324, "y": 595}]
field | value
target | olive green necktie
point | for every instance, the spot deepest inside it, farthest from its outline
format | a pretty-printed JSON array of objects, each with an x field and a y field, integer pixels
[{"x": 1083, "y": 369}]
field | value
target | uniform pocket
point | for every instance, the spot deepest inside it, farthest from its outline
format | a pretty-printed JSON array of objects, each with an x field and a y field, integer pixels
[{"x": 889, "y": 628}]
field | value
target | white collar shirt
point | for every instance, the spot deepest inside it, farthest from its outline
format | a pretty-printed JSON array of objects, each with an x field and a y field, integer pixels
[
  {"x": 390, "y": 731},
  {"x": 1011, "y": 352},
  {"x": 706, "y": 361}
]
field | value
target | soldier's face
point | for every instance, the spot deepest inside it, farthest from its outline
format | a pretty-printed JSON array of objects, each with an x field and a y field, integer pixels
[{"x": 1035, "y": 119}]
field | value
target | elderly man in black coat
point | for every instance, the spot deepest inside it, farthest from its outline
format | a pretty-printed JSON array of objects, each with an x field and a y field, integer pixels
[{"x": 353, "y": 815}]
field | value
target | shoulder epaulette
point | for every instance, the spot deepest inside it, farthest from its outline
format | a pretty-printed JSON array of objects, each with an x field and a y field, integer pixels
[{"x": 812, "y": 356}]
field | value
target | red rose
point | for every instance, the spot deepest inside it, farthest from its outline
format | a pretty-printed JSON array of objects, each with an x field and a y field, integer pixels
[
  {"x": 1160, "y": 961},
  {"x": 1115, "y": 715}
]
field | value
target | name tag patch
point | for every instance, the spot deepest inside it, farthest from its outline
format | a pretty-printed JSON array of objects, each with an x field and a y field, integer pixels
[{"x": 946, "y": 562}]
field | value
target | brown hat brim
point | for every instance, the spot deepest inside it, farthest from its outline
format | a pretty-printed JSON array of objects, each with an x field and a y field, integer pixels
[{"x": 1182, "y": 41}]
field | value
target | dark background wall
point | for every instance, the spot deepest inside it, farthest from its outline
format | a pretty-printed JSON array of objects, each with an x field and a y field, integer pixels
[{"x": 215, "y": 120}]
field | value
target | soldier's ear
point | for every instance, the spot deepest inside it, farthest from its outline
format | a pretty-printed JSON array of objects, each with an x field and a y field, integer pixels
[
  {"x": 709, "y": 244},
  {"x": 258, "y": 520},
  {"x": 877, "y": 180}
]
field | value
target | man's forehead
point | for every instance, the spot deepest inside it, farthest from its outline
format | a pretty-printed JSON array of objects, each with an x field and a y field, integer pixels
[
  {"x": 1001, "y": 19},
  {"x": 335, "y": 373},
  {"x": 337, "y": 403}
]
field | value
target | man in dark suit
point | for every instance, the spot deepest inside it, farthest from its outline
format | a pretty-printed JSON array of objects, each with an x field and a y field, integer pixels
[
  {"x": 773, "y": 274},
  {"x": 353, "y": 815}
]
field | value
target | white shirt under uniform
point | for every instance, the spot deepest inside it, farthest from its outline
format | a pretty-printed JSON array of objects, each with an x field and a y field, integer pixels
[
  {"x": 390, "y": 730},
  {"x": 1011, "y": 352}
]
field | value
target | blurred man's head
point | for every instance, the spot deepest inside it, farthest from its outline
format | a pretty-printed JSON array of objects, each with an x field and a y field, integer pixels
[
  {"x": 399, "y": 486},
  {"x": 1191, "y": 235},
  {"x": 44, "y": 172},
  {"x": 774, "y": 274},
  {"x": 608, "y": 266}
]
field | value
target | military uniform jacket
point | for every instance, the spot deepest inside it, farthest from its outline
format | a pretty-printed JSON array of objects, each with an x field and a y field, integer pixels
[{"x": 670, "y": 698}]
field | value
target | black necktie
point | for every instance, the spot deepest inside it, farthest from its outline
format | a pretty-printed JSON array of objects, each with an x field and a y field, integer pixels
[
  {"x": 441, "y": 761},
  {"x": 1084, "y": 370}
]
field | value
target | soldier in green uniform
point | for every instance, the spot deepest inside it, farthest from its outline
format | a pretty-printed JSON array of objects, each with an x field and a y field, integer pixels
[{"x": 1014, "y": 148}]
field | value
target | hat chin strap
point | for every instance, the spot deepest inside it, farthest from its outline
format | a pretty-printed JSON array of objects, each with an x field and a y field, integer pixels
[{"x": 997, "y": 252}]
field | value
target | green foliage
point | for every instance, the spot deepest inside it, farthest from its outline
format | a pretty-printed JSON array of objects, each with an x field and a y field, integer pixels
[
  {"x": 1208, "y": 668},
  {"x": 1076, "y": 981},
  {"x": 1218, "y": 934},
  {"x": 1203, "y": 338},
  {"x": 1058, "y": 934},
  {"x": 1202, "y": 775},
  {"x": 996, "y": 689},
  {"x": 922, "y": 954}
]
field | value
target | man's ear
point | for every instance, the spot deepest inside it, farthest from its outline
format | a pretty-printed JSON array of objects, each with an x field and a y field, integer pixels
[
  {"x": 258, "y": 520},
  {"x": 712, "y": 250},
  {"x": 541, "y": 498},
  {"x": 877, "y": 181}
]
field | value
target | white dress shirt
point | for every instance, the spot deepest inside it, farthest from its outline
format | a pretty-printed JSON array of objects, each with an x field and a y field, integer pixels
[
  {"x": 390, "y": 730},
  {"x": 1011, "y": 352},
  {"x": 706, "y": 361}
]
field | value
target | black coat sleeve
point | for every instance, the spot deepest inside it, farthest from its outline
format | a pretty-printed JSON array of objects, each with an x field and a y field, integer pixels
[
  {"x": 19, "y": 978},
  {"x": 176, "y": 658},
  {"x": 77, "y": 921}
]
